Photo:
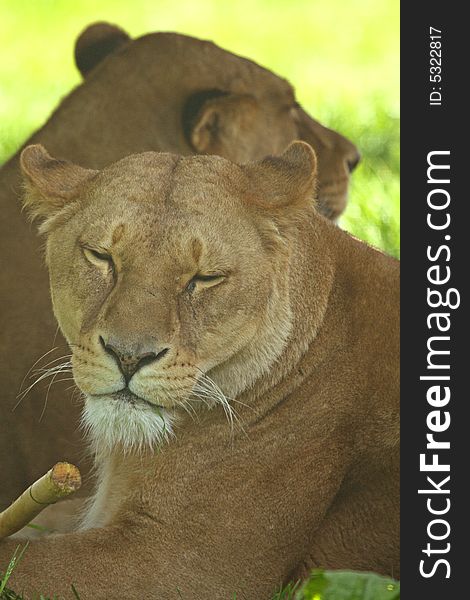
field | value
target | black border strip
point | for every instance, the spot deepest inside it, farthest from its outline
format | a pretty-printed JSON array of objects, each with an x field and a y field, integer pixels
[{"x": 426, "y": 128}]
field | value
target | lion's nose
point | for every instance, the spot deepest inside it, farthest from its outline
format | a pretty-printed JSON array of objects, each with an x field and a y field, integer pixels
[
  {"x": 129, "y": 362},
  {"x": 353, "y": 160}
]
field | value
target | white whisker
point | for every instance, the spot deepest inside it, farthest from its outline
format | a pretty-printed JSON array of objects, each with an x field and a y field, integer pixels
[
  {"x": 53, "y": 380},
  {"x": 186, "y": 406},
  {"x": 205, "y": 387},
  {"x": 62, "y": 368},
  {"x": 44, "y": 367},
  {"x": 34, "y": 364},
  {"x": 203, "y": 398}
]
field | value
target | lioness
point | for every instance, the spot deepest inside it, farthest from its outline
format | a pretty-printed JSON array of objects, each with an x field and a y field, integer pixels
[
  {"x": 160, "y": 92},
  {"x": 239, "y": 357}
]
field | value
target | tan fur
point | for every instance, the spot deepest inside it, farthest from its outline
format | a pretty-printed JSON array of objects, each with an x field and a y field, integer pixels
[
  {"x": 134, "y": 98},
  {"x": 301, "y": 332}
]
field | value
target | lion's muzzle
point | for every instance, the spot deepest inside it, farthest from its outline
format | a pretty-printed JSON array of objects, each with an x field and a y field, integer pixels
[{"x": 130, "y": 360}]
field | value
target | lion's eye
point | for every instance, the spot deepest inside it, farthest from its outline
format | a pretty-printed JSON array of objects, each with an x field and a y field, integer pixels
[
  {"x": 205, "y": 281},
  {"x": 99, "y": 259}
]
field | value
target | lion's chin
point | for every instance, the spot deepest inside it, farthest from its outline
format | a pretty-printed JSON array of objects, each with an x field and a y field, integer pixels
[{"x": 114, "y": 424}]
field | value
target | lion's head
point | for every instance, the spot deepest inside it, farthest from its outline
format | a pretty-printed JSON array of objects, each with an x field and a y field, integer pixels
[
  {"x": 167, "y": 92},
  {"x": 169, "y": 278}
]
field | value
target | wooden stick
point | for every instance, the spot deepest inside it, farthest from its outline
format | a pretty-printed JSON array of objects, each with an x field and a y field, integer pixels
[{"x": 63, "y": 479}]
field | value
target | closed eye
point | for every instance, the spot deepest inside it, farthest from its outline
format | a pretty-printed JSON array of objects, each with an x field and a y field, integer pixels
[
  {"x": 204, "y": 281},
  {"x": 100, "y": 259}
]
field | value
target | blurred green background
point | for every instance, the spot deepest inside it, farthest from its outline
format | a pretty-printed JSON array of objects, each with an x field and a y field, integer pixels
[{"x": 341, "y": 56}]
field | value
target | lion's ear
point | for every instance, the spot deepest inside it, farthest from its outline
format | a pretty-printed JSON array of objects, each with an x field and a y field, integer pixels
[
  {"x": 216, "y": 122},
  {"x": 50, "y": 183},
  {"x": 287, "y": 180},
  {"x": 95, "y": 43}
]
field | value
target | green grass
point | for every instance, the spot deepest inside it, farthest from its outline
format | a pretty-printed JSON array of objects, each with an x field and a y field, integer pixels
[
  {"x": 5, "y": 593},
  {"x": 342, "y": 57}
]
